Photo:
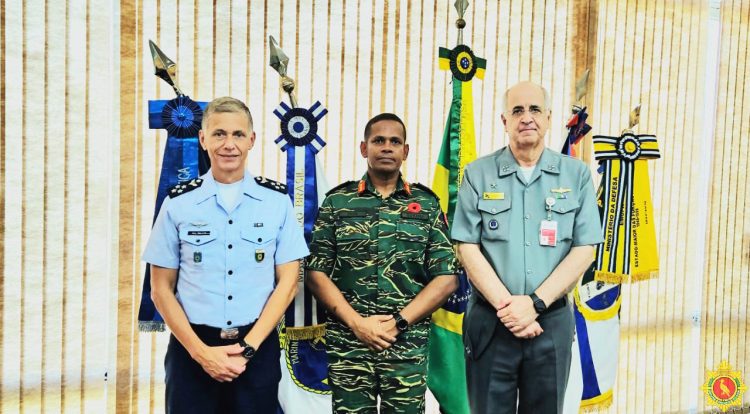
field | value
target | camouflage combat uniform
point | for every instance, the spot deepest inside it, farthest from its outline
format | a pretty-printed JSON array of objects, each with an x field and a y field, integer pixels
[{"x": 380, "y": 253}]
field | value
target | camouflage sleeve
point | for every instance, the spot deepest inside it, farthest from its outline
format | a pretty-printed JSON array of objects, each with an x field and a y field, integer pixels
[
  {"x": 323, "y": 245},
  {"x": 441, "y": 259}
]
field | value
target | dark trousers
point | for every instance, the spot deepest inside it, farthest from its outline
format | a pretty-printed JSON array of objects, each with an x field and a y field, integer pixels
[
  {"x": 191, "y": 390},
  {"x": 502, "y": 370}
]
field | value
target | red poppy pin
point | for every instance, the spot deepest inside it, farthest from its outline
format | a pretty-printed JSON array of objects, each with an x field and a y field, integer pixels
[{"x": 414, "y": 208}]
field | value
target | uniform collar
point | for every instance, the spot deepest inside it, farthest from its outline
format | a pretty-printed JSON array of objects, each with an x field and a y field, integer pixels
[
  {"x": 365, "y": 185},
  {"x": 209, "y": 188},
  {"x": 507, "y": 164}
]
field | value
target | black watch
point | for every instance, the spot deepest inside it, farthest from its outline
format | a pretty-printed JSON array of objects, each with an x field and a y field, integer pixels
[
  {"x": 539, "y": 305},
  {"x": 401, "y": 324},
  {"x": 247, "y": 350}
]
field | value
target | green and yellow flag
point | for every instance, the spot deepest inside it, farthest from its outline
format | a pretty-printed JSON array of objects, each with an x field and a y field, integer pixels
[{"x": 446, "y": 374}]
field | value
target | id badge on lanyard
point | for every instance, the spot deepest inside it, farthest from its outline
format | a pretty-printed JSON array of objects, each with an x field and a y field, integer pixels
[{"x": 548, "y": 228}]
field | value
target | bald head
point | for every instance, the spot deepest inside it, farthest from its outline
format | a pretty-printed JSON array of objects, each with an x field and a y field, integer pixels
[{"x": 526, "y": 87}]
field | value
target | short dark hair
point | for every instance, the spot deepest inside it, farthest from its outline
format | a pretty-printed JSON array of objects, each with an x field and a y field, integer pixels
[{"x": 385, "y": 116}]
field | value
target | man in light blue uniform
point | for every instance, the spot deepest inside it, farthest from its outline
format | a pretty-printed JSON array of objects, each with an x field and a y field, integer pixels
[
  {"x": 526, "y": 222},
  {"x": 235, "y": 243}
]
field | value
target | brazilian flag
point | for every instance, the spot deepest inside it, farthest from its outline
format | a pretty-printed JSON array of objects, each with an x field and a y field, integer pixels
[{"x": 446, "y": 375}]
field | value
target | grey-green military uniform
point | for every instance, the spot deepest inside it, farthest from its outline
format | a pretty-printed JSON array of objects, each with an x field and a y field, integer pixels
[
  {"x": 380, "y": 252},
  {"x": 502, "y": 212}
]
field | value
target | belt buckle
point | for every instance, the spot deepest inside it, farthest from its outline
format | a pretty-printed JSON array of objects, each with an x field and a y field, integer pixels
[{"x": 230, "y": 333}]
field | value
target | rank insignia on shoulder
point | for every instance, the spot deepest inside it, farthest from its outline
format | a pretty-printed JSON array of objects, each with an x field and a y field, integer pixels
[
  {"x": 185, "y": 187},
  {"x": 338, "y": 187},
  {"x": 426, "y": 189},
  {"x": 271, "y": 184}
]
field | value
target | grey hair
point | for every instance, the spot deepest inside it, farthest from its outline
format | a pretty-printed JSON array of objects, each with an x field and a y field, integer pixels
[
  {"x": 226, "y": 104},
  {"x": 544, "y": 91}
]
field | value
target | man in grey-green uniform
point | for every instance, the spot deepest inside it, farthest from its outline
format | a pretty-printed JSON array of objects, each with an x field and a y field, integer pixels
[
  {"x": 526, "y": 222},
  {"x": 381, "y": 263}
]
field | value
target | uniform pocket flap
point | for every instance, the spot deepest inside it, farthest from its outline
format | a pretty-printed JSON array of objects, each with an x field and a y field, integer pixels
[
  {"x": 565, "y": 205},
  {"x": 493, "y": 206},
  {"x": 197, "y": 236},
  {"x": 257, "y": 235}
]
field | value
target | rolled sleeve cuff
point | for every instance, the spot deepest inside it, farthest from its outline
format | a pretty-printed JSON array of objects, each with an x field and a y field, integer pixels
[
  {"x": 465, "y": 238},
  {"x": 588, "y": 242}
]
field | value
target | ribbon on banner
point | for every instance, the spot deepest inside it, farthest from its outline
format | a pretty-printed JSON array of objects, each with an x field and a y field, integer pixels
[
  {"x": 629, "y": 248},
  {"x": 577, "y": 129},
  {"x": 183, "y": 161},
  {"x": 300, "y": 332}
]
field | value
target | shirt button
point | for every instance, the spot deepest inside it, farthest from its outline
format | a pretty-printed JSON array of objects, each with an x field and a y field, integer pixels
[
  {"x": 528, "y": 243},
  {"x": 230, "y": 222},
  {"x": 494, "y": 210},
  {"x": 197, "y": 240},
  {"x": 528, "y": 271},
  {"x": 260, "y": 239},
  {"x": 230, "y": 246},
  {"x": 230, "y": 272},
  {"x": 229, "y": 297},
  {"x": 526, "y": 217},
  {"x": 229, "y": 322}
]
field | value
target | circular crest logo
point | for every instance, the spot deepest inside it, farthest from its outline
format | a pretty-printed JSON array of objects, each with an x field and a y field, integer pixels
[{"x": 724, "y": 387}]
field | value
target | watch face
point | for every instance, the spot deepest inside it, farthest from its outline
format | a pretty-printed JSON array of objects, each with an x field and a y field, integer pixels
[
  {"x": 402, "y": 325},
  {"x": 248, "y": 352}
]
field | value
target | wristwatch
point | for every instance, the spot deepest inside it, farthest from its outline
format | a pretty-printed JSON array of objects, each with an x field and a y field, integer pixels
[
  {"x": 401, "y": 324},
  {"x": 247, "y": 350},
  {"x": 539, "y": 305}
]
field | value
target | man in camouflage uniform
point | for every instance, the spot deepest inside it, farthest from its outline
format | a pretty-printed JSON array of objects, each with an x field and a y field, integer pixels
[{"x": 381, "y": 263}]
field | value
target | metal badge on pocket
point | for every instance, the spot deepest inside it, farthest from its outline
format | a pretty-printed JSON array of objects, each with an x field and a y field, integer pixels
[
  {"x": 197, "y": 257},
  {"x": 260, "y": 254}
]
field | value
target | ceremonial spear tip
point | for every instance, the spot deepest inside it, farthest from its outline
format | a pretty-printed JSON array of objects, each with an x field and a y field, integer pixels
[
  {"x": 278, "y": 59},
  {"x": 164, "y": 67},
  {"x": 582, "y": 85},
  {"x": 461, "y": 6},
  {"x": 635, "y": 116}
]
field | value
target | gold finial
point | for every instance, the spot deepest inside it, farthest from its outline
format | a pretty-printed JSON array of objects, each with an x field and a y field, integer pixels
[
  {"x": 461, "y": 6},
  {"x": 582, "y": 85}
]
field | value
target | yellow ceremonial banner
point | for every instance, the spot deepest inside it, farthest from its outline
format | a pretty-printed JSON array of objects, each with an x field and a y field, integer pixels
[{"x": 629, "y": 249}]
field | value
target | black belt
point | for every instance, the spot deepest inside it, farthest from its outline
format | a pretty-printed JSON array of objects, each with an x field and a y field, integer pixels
[{"x": 209, "y": 332}]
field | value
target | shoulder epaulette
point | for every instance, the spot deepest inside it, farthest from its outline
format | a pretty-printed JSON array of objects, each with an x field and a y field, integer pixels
[
  {"x": 183, "y": 188},
  {"x": 271, "y": 184},
  {"x": 426, "y": 189},
  {"x": 338, "y": 187}
]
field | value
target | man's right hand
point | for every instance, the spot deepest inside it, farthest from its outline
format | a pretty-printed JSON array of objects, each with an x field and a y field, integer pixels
[
  {"x": 216, "y": 361},
  {"x": 531, "y": 331},
  {"x": 371, "y": 332}
]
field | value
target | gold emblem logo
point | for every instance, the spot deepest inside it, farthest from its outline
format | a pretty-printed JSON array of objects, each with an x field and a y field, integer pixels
[{"x": 724, "y": 387}]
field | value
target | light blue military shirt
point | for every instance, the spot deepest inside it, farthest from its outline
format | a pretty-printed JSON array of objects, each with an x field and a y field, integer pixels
[
  {"x": 225, "y": 258},
  {"x": 501, "y": 212}
]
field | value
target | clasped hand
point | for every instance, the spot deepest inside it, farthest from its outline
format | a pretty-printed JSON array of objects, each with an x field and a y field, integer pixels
[
  {"x": 378, "y": 332},
  {"x": 222, "y": 363},
  {"x": 517, "y": 313}
]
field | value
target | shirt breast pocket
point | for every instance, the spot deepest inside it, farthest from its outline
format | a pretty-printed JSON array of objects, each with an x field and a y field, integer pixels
[
  {"x": 353, "y": 234},
  {"x": 411, "y": 239},
  {"x": 565, "y": 214},
  {"x": 495, "y": 219},
  {"x": 260, "y": 244},
  {"x": 197, "y": 236}
]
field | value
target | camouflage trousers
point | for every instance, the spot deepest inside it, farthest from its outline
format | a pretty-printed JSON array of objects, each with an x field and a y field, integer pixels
[{"x": 356, "y": 384}]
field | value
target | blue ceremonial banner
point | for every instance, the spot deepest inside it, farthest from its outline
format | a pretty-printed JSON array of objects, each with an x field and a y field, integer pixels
[
  {"x": 183, "y": 160},
  {"x": 304, "y": 383}
]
